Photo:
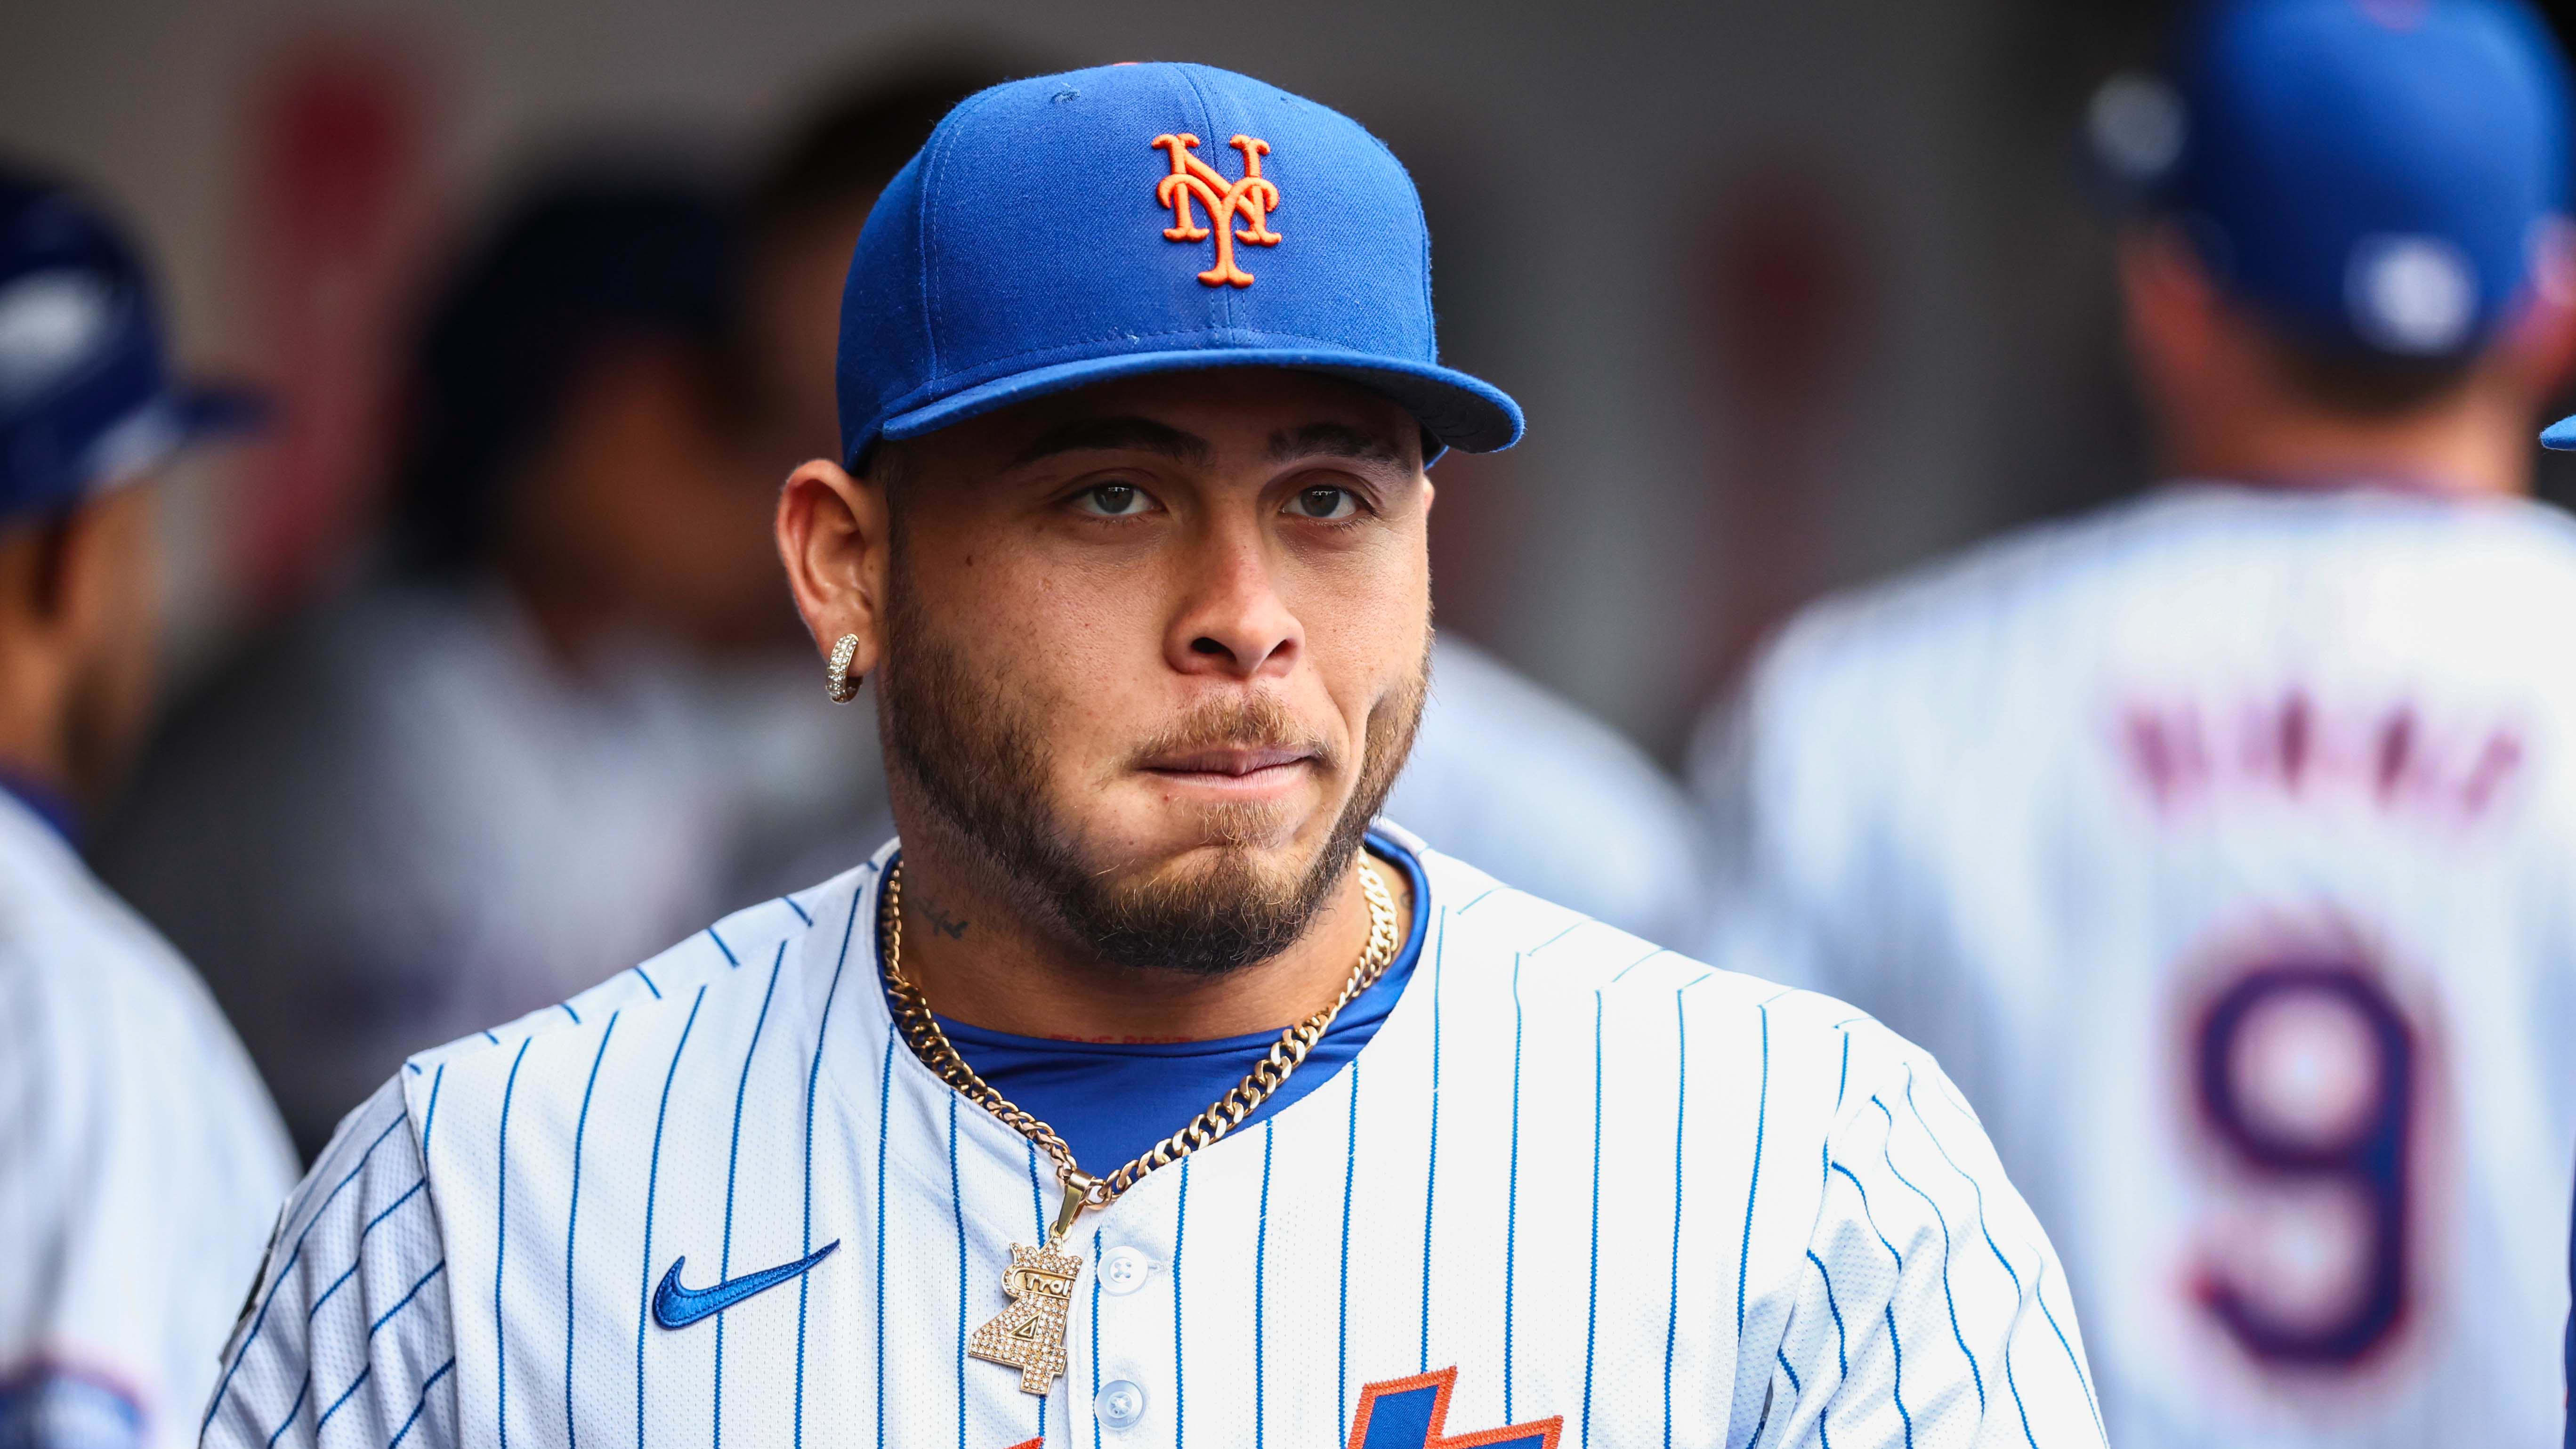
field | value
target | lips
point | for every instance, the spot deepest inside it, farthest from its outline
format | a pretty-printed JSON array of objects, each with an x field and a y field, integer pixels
[{"x": 1234, "y": 761}]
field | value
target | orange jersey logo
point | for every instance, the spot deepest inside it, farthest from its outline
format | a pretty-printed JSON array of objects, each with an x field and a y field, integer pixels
[{"x": 1250, "y": 199}]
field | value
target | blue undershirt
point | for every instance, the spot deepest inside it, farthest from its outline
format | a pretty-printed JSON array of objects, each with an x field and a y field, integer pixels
[{"x": 1110, "y": 1101}]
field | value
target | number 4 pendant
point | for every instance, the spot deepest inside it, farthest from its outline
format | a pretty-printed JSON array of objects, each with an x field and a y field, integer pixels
[{"x": 1029, "y": 1335}]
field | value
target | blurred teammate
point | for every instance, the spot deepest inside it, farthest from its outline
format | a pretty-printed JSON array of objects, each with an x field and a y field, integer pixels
[
  {"x": 493, "y": 771},
  {"x": 1506, "y": 774},
  {"x": 139, "y": 1160},
  {"x": 1350, "y": 1143},
  {"x": 2224, "y": 844}
]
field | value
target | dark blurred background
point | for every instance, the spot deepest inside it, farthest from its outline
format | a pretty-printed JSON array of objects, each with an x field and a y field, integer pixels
[{"x": 1793, "y": 294}]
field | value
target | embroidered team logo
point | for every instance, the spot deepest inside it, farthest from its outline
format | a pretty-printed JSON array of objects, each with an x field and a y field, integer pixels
[
  {"x": 1249, "y": 200},
  {"x": 1413, "y": 1413}
]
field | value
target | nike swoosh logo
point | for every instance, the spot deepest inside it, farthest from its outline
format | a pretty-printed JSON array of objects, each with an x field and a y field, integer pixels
[{"x": 678, "y": 1307}]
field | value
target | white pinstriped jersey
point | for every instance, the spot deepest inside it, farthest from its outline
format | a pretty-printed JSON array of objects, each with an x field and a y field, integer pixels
[
  {"x": 1574, "y": 1184},
  {"x": 140, "y": 1163},
  {"x": 2224, "y": 846}
]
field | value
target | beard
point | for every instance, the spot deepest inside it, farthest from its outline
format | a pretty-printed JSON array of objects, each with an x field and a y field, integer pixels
[{"x": 978, "y": 761}]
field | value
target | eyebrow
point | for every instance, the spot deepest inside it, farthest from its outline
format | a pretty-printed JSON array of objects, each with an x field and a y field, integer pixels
[
  {"x": 1338, "y": 440},
  {"x": 1116, "y": 435}
]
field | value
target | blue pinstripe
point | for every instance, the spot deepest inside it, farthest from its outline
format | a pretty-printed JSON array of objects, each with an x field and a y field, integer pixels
[
  {"x": 501, "y": 1249},
  {"x": 790, "y": 903},
  {"x": 568, "y": 1011},
  {"x": 429, "y": 1117},
  {"x": 2010, "y": 1380},
  {"x": 1037, "y": 1210},
  {"x": 652, "y": 1189},
  {"x": 1342, "y": 1311},
  {"x": 1095, "y": 1339},
  {"x": 412, "y": 1192},
  {"x": 813, "y": 1078},
  {"x": 648, "y": 982},
  {"x": 427, "y": 1384},
  {"x": 1842, "y": 1340},
  {"x": 1431, "y": 1173},
  {"x": 1180, "y": 1378},
  {"x": 733, "y": 1159},
  {"x": 1592, "y": 1289},
  {"x": 572, "y": 1221},
  {"x": 885, "y": 1095},
  {"x": 1260, "y": 1307},
  {"x": 730, "y": 958},
  {"x": 957, "y": 1206},
  {"x": 1761, "y": 1123},
  {"x": 1512, "y": 1194},
  {"x": 292, "y": 1255},
  {"x": 1640, "y": 961},
  {"x": 1886, "y": 1151},
  {"x": 405, "y": 1301},
  {"x": 1543, "y": 945},
  {"x": 354, "y": 1385},
  {"x": 1895, "y": 1344},
  {"x": 292, "y": 1410},
  {"x": 1681, "y": 1117}
]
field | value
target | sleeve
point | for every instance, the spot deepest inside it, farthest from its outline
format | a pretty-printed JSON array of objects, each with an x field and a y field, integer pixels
[
  {"x": 346, "y": 1340},
  {"x": 1933, "y": 1309},
  {"x": 139, "y": 1169}
]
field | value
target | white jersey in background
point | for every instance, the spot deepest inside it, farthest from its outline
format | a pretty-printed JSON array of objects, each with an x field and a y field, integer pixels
[
  {"x": 140, "y": 1165},
  {"x": 2223, "y": 846},
  {"x": 1523, "y": 785},
  {"x": 1576, "y": 1190}
]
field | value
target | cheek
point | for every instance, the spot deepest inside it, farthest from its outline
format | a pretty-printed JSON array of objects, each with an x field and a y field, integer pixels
[
  {"x": 1077, "y": 650},
  {"x": 1365, "y": 614}
]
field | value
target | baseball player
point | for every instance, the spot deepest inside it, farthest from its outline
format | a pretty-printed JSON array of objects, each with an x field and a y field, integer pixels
[
  {"x": 2221, "y": 842},
  {"x": 1512, "y": 777},
  {"x": 139, "y": 1159},
  {"x": 1144, "y": 1091}
]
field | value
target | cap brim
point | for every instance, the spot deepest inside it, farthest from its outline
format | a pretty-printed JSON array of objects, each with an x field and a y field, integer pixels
[
  {"x": 1458, "y": 411},
  {"x": 2560, "y": 435}
]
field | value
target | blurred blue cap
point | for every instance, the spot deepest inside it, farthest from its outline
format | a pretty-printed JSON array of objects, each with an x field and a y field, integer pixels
[
  {"x": 86, "y": 398},
  {"x": 2379, "y": 174},
  {"x": 1069, "y": 229}
]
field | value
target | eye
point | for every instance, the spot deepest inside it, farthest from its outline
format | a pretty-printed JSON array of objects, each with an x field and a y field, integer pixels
[
  {"x": 1325, "y": 504},
  {"x": 1114, "y": 500}
]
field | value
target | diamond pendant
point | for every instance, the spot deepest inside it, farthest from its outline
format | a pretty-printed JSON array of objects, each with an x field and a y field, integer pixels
[{"x": 1029, "y": 1335}]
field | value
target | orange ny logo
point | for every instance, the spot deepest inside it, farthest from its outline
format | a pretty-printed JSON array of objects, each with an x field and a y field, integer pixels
[{"x": 1250, "y": 199}]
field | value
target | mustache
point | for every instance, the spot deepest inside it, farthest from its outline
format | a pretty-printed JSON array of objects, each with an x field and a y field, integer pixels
[{"x": 1242, "y": 722}]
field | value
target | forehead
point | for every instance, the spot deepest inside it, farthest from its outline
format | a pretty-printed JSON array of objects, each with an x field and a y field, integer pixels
[{"x": 1237, "y": 411}]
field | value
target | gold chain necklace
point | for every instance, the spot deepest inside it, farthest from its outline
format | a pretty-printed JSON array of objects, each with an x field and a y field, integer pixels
[{"x": 1029, "y": 1335}]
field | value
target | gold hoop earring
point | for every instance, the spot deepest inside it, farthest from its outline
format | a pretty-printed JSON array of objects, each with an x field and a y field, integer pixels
[{"x": 836, "y": 675}]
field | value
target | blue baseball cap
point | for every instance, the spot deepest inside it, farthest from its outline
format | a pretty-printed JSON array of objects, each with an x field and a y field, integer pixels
[
  {"x": 1070, "y": 229},
  {"x": 86, "y": 399},
  {"x": 2381, "y": 175}
]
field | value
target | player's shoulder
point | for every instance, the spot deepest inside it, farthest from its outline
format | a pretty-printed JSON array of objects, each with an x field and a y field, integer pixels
[
  {"x": 2060, "y": 573},
  {"x": 97, "y": 1001},
  {"x": 720, "y": 980},
  {"x": 1554, "y": 954}
]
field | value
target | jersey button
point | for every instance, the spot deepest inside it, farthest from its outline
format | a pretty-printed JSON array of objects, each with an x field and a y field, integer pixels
[
  {"x": 1120, "y": 1404},
  {"x": 1124, "y": 1270}
]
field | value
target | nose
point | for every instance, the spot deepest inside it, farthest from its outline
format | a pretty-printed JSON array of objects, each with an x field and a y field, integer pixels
[{"x": 1233, "y": 622}]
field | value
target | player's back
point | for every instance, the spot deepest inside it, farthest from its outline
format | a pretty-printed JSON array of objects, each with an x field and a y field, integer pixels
[
  {"x": 2222, "y": 845},
  {"x": 139, "y": 1163}
]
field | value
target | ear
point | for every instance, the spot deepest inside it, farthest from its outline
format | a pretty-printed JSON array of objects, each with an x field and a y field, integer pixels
[
  {"x": 834, "y": 538},
  {"x": 2176, "y": 319},
  {"x": 2539, "y": 341}
]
